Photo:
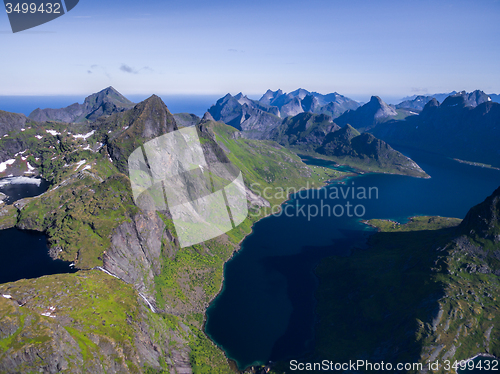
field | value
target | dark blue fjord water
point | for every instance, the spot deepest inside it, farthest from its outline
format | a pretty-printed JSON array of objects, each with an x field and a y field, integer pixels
[
  {"x": 24, "y": 254},
  {"x": 266, "y": 308}
]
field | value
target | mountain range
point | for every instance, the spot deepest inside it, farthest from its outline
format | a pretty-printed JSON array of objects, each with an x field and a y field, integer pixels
[
  {"x": 318, "y": 135},
  {"x": 473, "y": 99},
  {"x": 257, "y": 117},
  {"x": 105, "y": 102},
  {"x": 459, "y": 128}
]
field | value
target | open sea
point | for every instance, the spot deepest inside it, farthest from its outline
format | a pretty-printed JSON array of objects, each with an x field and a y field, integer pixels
[{"x": 196, "y": 104}]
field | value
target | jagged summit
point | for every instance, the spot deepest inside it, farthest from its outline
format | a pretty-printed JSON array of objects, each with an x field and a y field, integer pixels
[
  {"x": 376, "y": 100},
  {"x": 483, "y": 220},
  {"x": 257, "y": 118},
  {"x": 127, "y": 130},
  {"x": 455, "y": 100},
  {"x": 455, "y": 129},
  {"x": 474, "y": 98},
  {"x": 300, "y": 93},
  {"x": 368, "y": 115}
]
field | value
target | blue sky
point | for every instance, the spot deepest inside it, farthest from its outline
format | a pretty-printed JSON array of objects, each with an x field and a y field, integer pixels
[{"x": 356, "y": 47}]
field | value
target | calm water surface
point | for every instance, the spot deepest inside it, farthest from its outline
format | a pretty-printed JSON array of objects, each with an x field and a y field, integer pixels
[
  {"x": 266, "y": 308},
  {"x": 24, "y": 254}
]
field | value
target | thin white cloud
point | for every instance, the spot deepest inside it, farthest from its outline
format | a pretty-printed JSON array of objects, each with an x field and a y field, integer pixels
[{"x": 129, "y": 69}]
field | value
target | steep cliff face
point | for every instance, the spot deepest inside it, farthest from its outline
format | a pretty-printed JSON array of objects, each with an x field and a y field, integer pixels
[
  {"x": 135, "y": 250},
  {"x": 483, "y": 220},
  {"x": 319, "y": 135},
  {"x": 256, "y": 119}
]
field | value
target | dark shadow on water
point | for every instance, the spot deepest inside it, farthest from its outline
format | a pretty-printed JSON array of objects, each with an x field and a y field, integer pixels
[
  {"x": 301, "y": 285},
  {"x": 25, "y": 254},
  {"x": 369, "y": 303}
]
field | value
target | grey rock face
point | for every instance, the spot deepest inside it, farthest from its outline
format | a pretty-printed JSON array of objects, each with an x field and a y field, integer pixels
[
  {"x": 186, "y": 119},
  {"x": 134, "y": 255},
  {"x": 11, "y": 122},
  {"x": 367, "y": 116},
  {"x": 250, "y": 116}
]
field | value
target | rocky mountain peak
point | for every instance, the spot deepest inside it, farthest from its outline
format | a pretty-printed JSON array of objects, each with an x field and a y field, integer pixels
[
  {"x": 108, "y": 94},
  {"x": 104, "y": 102},
  {"x": 432, "y": 103},
  {"x": 270, "y": 96},
  {"x": 455, "y": 100},
  {"x": 348, "y": 132},
  {"x": 375, "y": 100},
  {"x": 134, "y": 127},
  {"x": 483, "y": 220},
  {"x": 300, "y": 93},
  {"x": 474, "y": 98},
  {"x": 207, "y": 117}
]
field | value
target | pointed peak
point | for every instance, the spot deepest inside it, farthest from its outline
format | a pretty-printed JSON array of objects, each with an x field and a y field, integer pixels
[
  {"x": 351, "y": 131},
  {"x": 482, "y": 219},
  {"x": 207, "y": 117},
  {"x": 151, "y": 103},
  {"x": 376, "y": 100},
  {"x": 109, "y": 94},
  {"x": 433, "y": 103},
  {"x": 110, "y": 88},
  {"x": 154, "y": 98}
]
